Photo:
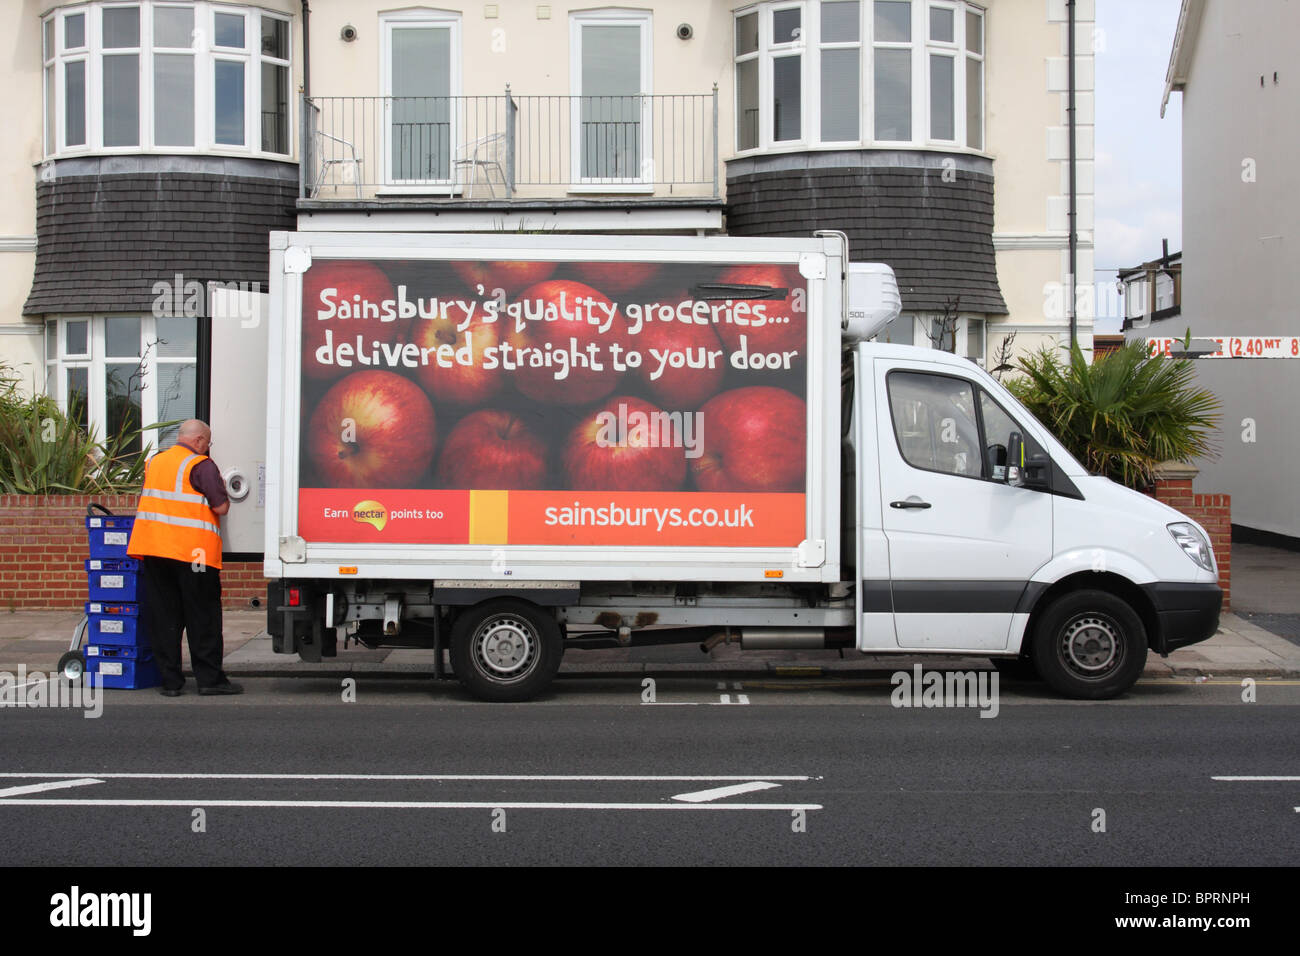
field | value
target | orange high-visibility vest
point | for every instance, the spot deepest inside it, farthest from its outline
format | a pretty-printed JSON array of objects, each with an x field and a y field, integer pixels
[{"x": 173, "y": 519}]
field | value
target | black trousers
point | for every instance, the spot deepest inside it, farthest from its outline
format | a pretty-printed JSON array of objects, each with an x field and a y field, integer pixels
[{"x": 177, "y": 597}]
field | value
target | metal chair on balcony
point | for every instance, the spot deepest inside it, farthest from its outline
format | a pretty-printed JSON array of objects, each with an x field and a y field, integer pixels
[
  {"x": 332, "y": 151},
  {"x": 483, "y": 153}
]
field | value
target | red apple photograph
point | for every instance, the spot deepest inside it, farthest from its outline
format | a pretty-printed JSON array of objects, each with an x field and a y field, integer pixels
[
  {"x": 510, "y": 275},
  {"x": 681, "y": 367},
  {"x": 753, "y": 441},
  {"x": 372, "y": 430},
  {"x": 785, "y": 329},
  {"x": 354, "y": 284},
  {"x": 463, "y": 380},
  {"x": 583, "y": 382},
  {"x": 616, "y": 278},
  {"x": 621, "y": 447},
  {"x": 492, "y": 449}
]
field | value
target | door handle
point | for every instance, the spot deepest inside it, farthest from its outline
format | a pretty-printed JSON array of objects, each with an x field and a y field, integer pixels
[{"x": 912, "y": 502}]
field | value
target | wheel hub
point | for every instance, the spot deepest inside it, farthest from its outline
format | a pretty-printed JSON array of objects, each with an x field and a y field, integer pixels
[
  {"x": 505, "y": 647},
  {"x": 1091, "y": 645}
]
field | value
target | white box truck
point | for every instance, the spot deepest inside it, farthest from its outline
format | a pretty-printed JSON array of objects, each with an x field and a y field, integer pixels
[{"x": 510, "y": 446}]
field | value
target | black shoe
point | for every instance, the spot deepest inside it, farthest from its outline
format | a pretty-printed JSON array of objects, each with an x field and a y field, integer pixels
[
  {"x": 226, "y": 688},
  {"x": 171, "y": 691}
]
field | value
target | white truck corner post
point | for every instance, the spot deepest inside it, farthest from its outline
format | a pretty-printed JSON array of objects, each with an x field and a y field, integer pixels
[{"x": 511, "y": 446}]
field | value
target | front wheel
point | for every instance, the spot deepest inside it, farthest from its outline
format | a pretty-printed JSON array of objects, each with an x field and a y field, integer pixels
[
  {"x": 506, "y": 650},
  {"x": 1090, "y": 645}
]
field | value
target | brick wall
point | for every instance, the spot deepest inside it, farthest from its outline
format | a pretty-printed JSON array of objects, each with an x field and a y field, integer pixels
[
  {"x": 1213, "y": 512},
  {"x": 43, "y": 552}
]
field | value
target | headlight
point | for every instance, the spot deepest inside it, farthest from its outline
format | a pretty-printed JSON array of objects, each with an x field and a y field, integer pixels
[{"x": 1192, "y": 542}]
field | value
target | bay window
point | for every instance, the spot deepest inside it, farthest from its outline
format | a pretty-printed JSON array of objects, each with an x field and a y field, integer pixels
[
  {"x": 860, "y": 72},
  {"x": 166, "y": 75}
]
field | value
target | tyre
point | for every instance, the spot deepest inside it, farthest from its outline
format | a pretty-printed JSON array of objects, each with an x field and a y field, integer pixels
[
  {"x": 1090, "y": 645},
  {"x": 72, "y": 666},
  {"x": 506, "y": 650}
]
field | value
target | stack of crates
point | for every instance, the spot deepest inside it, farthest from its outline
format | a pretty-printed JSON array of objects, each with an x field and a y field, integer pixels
[{"x": 118, "y": 653}]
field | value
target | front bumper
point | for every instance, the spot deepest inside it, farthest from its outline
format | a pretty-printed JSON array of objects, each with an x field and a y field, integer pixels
[{"x": 1186, "y": 614}]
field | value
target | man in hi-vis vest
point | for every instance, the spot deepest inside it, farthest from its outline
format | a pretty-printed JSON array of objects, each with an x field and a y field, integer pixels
[{"x": 177, "y": 537}]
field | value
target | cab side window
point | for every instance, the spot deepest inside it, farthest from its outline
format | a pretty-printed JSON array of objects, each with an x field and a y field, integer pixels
[
  {"x": 998, "y": 426},
  {"x": 935, "y": 423}
]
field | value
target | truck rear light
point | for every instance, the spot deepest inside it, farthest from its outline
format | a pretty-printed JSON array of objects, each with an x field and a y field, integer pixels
[{"x": 295, "y": 597}]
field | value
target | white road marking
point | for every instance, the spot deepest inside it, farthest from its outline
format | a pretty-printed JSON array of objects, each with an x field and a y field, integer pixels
[
  {"x": 670, "y": 778},
  {"x": 54, "y": 785},
  {"x": 409, "y": 805},
  {"x": 704, "y": 796},
  {"x": 1256, "y": 779}
]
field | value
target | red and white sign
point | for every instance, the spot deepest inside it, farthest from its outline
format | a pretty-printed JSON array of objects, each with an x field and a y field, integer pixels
[{"x": 1233, "y": 346}]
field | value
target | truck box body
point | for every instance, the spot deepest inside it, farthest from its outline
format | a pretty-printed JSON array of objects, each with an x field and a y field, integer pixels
[{"x": 541, "y": 408}]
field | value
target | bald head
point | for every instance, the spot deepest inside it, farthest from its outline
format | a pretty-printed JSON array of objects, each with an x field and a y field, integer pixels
[{"x": 193, "y": 428}]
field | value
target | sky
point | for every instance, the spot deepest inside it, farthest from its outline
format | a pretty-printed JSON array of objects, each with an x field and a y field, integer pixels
[{"x": 1139, "y": 155}]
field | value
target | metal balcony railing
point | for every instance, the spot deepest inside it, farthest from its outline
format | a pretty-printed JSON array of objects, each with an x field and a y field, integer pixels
[{"x": 509, "y": 146}]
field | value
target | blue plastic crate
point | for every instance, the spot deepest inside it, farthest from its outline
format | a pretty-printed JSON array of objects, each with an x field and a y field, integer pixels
[
  {"x": 122, "y": 672},
  {"x": 113, "y": 652},
  {"x": 115, "y": 585},
  {"x": 116, "y": 623},
  {"x": 109, "y": 535}
]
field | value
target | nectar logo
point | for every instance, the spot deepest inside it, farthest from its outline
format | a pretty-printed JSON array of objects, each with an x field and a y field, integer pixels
[{"x": 370, "y": 512}]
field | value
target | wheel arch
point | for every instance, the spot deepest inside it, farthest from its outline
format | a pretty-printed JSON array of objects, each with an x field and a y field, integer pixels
[{"x": 1123, "y": 588}]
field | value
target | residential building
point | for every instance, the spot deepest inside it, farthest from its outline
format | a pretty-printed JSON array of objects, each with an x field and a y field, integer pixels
[
  {"x": 1152, "y": 294},
  {"x": 163, "y": 139},
  {"x": 1230, "y": 61}
]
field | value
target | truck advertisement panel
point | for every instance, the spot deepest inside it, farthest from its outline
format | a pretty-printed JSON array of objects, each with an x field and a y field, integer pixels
[{"x": 553, "y": 403}]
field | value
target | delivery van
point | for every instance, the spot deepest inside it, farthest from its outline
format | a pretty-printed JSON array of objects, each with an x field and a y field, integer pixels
[{"x": 511, "y": 447}]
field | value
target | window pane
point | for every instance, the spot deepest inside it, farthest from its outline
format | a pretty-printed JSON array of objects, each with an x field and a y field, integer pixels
[
  {"x": 974, "y": 104},
  {"x": 746, "y": 34},
  {"x": 177, "y": 337},
  {"x": 123, "y": 385},
  {"x": 998, "y": 426},
  {"x": 893, "y": 21},
  {"x": 76, "y": 337},
  {"x": 122, "y": 336},
  {"x": 275, "y": 38},
  {"x": 121, "y": 27},
  {"x": 786, "y": 25},
  {"x": 786, "y": 97},
  {"x": 76, "y": 400},
  {"x": 51, "y": 339},
  {"x": 421, "y": 114},
  {"x": 974, "y": 32},
  {"x": 839, "y": 95},
  {"x": 229, "y": 30},
  {"x": 840, "y": 22},
  {"x": 275, "y": 108},
  {"x": 173, "y": 27},
  {"x": 747, "y": 104},
  {"x": 941, "y": 25},
  {"x": 975, "y": 339},
  {"x": 47, "y": 38},
  {"x": 176, "y": 393},
  {"x": 941, "y": 97},
  {"x": 901, "y": 331},
  {"x": 74, "y": 31},
  {"x": 611, "y": 112},
  {"x": 74, "y": 103},
  {"x": 894, "y": 95},
  {"x": 173, "y": 99},
  {"x": 229, "y": 96},
  {"x": 122, "y": 100},
  {"x": 50, "y": 145},
  {"x": 934, "y": 420}
]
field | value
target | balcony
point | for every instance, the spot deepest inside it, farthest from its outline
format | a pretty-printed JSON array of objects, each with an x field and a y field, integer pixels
[{"x": 508, "y": 153}]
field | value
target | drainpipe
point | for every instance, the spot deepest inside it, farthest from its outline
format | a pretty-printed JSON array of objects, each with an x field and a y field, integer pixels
[
  {"x": 306, "y": 49},
  {"x": 1074, "y": 199}
]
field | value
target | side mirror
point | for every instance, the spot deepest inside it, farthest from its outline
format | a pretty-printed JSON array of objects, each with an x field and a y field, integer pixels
[
  {"x": 1015, "y": 459},
  {"x": 1037, "y": 473}
]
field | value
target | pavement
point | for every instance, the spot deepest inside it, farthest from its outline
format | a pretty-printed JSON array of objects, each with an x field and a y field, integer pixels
[{"x": 1266, "y": 590}]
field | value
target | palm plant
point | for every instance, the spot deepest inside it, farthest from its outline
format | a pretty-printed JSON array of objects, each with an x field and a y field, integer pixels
[{"x": 1123, "y": 414}]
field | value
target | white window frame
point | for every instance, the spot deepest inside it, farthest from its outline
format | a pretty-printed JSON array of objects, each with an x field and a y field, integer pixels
[
  {"x": 810, "y": 46},
  {"x": 641, "y": 183},
  {"x": 97, "y": 362},
  {"x": 204, "y": 54},
  {"x": 419, "y": 17}
]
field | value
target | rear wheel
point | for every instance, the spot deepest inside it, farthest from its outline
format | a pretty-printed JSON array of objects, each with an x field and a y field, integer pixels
[
  {"x": 1090, "y": 645},
  {"x": 506, "y": 650}
]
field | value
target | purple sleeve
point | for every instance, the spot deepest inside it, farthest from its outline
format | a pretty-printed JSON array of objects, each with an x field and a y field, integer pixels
[{"x": 206, "y": 477}]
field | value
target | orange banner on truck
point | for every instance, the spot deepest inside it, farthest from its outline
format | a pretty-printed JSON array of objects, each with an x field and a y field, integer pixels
[{"x": 595, "y": 518}]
